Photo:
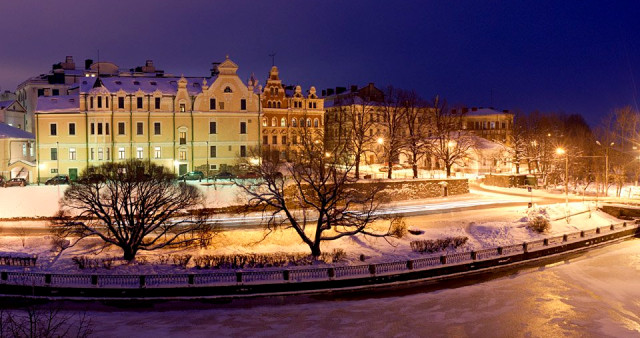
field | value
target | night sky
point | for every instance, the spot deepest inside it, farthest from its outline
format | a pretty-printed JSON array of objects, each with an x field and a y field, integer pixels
[{"x": 566, "y": 56}]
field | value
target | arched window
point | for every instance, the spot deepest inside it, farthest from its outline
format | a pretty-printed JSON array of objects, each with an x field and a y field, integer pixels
[
  {"x": 308, "y": 122},
  {"x": 273, "y": 122},
  {"x": 227, "y": 89},
  {"x": 294, "y": 122},
  {"x": 283, "y": 122},
  {"x": 276, "y": 90},
  {"x": 278, "y": 104},
  {"x": 269, "y": 104},
  {"x": 264, "y": 121},
  {"x": 316, "y": 123}
]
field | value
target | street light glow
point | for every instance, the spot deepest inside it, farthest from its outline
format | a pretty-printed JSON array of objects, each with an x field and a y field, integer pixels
[
  {"x": 560, "y": 151},
  {"x": 380, "y": 140}
]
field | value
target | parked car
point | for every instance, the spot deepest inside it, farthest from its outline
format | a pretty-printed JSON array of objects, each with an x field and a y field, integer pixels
[
  {"x": 225, "y": 175},
  {"x": 16, "y": 182},
  {"x": 383, "y": 169},
  {"x": 192, "y": 175},
  {"x": 59, "y": 179},
  {"x": 2, "y": 181}
]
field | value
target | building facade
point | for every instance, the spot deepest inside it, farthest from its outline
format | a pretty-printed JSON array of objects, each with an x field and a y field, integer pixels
[
  {"x": 17, "y": 153},
  {"x": 287, "y": 115},
  {"x": 13, "y": 114},
  {"x": 488, "y": 123},
  {"x": 186, "y": 124}
]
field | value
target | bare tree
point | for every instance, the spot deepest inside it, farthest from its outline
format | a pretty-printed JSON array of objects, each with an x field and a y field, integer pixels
[
  {"x": 517, "y": 141},
  {"x": 393, "y": 127},
  {"x": 43, "y": 321},
  {"x": 417, "y": 125},
  {"x": 316, "y": 196},
  {"x": 134, "y": 205},
  {"x": 450, "y": 144}
]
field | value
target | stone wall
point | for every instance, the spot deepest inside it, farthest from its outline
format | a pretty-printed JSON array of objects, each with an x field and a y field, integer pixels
[
  {"x": 508, "y": 181},
  {"x": 402, "y": 190}
]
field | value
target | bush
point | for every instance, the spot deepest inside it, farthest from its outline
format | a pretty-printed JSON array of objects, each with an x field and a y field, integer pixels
[
  {"x": 84, "y": 262},
  {"x": 437, "y": 245},
  {"x": 248, "y": 261},
  {"x": 181, "y": 260},
  {"x": 335, "y": 256},
  {"x": 398, "y": 227},
  {"x": 539, "y": 224}
]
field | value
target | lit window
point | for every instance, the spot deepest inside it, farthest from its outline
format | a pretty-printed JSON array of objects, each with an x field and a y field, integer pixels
[
  {"x": 283, "y": 122},
  {"x": 264, "y": 121},
  {"x": 121, "y": 153},
  {"x": 183, "y": 108},
  {"x": 91, "y": 154},
  {"x": 72, "y": 153},
  {"x": 294, "y": 122},
  {"x": 139, "y": 152},
  {"x": 183, "y": 137},
  {"x": 157, "y": 152},
  {"x": 100, "y": 154},
  {"x": 182, "y": 155}
]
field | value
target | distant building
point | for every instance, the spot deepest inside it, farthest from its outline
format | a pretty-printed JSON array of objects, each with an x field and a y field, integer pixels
[
  {"x": 287, "y": 114},
  {"x": 13, "y": 114},
  {"x": 187, "y": 124},
  {"x": 17, "y": 153},
  {"x": 489, "y": 123}
]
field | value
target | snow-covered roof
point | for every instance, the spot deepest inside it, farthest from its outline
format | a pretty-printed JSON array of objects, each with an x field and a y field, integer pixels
[
  {"x": 484, "y": 111},
  {"x": 148, "y": 85},
  {"x": 7, "y": 131},
  {"x": 54, "y": 104}
]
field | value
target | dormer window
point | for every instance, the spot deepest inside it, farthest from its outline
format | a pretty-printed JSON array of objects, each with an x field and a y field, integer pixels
[
  {"x": 118, "y": 82},
  {"x": 153, "y": 83},
  {"x": 227, "y": 89},
  {"x": 137, "y": 83}
]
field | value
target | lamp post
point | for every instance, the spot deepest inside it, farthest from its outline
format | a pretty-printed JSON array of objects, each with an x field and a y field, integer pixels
[
  {"x": 561, "y": 151},
  {"x": 606, "y": 166}
]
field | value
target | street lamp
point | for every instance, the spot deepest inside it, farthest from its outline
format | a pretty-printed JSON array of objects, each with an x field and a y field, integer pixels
[
  {"x": 561, "y": 151},
  {"x": 606, "y": 166}
]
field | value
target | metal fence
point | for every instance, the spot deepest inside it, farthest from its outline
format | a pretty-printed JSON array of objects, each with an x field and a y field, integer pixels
[{"x": 294, "y": 275}]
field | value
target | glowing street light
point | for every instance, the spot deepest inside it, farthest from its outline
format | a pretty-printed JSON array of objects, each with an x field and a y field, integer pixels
[{"x": 380, "y": 140}]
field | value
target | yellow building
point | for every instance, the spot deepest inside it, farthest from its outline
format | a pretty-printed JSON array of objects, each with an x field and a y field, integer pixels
[
  {"x": 187, "y": 124},
  {"x": 287, "y": 114},
  {"x": 496, "y": 126},
  {"x": 17, "y": 157}
]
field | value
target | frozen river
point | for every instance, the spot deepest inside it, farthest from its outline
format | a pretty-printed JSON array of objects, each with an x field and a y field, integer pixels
[{"x": 594, "y": 295}]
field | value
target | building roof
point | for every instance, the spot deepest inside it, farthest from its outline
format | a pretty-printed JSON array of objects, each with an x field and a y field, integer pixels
[
  {"x": 485, "y": 111},
  {"x": 148, "y": 85},
  {"x": 7, "y": 131},
  {"x": 54, "y": 104}
]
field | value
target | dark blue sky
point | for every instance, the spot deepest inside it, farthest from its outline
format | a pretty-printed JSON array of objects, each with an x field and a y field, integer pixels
[{"x": 568, "y": 56}]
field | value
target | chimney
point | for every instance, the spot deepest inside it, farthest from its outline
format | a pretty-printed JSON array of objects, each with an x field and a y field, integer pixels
[
  {"x": 506, "y": 111},
  {"x": 354, "y": 88},
  {"x": 340, "y": 90},
  {"x": 148, "y": 67},
  {"x": 474, "y": 108},
  {"x": 324, "y": 92},
  {"x": 88, "y": 63},
  {"x": 214, "y": 68},
  {"x": 329, "y": 91},
  {"x": 465, "y": 110}
]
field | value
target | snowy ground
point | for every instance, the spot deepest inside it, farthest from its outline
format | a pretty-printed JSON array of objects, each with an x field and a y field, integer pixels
[{"x": 484, "y": 228}]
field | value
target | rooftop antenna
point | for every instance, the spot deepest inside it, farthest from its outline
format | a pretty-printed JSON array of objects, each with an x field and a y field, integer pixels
[{"x": 273, "y": 59}]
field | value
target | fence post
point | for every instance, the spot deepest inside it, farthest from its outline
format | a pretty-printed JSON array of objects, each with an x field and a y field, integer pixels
[
  {"x": 191, "y": 278},
  {"x": 4, "y": 275},
  {"x": 597, "y": 230},
  {"x": 565, "y": 238},
  {"x": 546, "y": 242},
  {"x": 372, "y": 269},
  {"x": 238, "y": 276},
  {"x": 500, "y": 250},
  {"x": 285, "y": 274},
  {"x": 624, "y": 224},
  {"x": 474, "y": 255},
  {"x": 94, "y": 279},
  {"x": 331, "y": 272},
  {"x": 410, "y": 264},
  {"x": 47, "y": 278},
  {"x": 443, "y": 259},
  {"x": 613, "y": 227},
  {"x": 524, "y": 246},
  {"x": 142, "y": 282},
  {"x": 582, "y": 233}
]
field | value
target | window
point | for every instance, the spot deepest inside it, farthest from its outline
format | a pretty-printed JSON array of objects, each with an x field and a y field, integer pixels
[
  {"x": 157, "y": 152},
  {"x": 72, "y": 128},
  {"x": 227, "y": 89},
  {"x": 99, "y": 101},
  {"x": 316, "y": 123},
  {"x": 53, "y": 129},
  {"x": 108, "y": 151},
  {"x": 243, "y": 104},
  {"x": 265, "y": 139},
  {"x": 213, "y": 151},
  {"x": 213, "y": 167},
  {"x": 139, "y": 152},
  {"x": 140, "y": 128},
  {"x": 139, "y": 102},
  {"x": 41, "y": 92},
  {"x": 308, "y": 122},
  {"x": 284, "y": 139},
  {"x": 99, "y": 128},
  {"x": 294, "y": 122},
  {"x": 264, "y": 121},
  {"x": 212, "y": 104},
  {"x": 243, "y": 151},
  {"x": 221, "y": 105},
  {"x": 121, "y": 103},
  {"x": 283, "y": 122},
  {"x": 91, "y": 102},
  {"x": 100, "y": 154},
  {"x": 54, "y": 154},
  {"x": 91, "y": 154},
  {"x": 55, "y": 92},
  {"x": 54, "y": 170},
  {"x": 120, "y": 128},
  {"x": 121, "y": 153},
  {"x": 182, "y": 155},
  {"x": 183, "y": 108},
  {"x": 269, "y": 104},
  {"x": 213, "y": 128},
  {"x": 243, "y": 127},
  {"x": 183, "y": 137},
  {"x": 106, "y": 128},
  {"x": 274, "y": 139},
  {"x": 72, "y": 153},
  {"x": 156, "y": 128},
  {"x": 273, "y": 122},
  {"x": 157, "y": 103},
  {"x": 93, "y": 128}
]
